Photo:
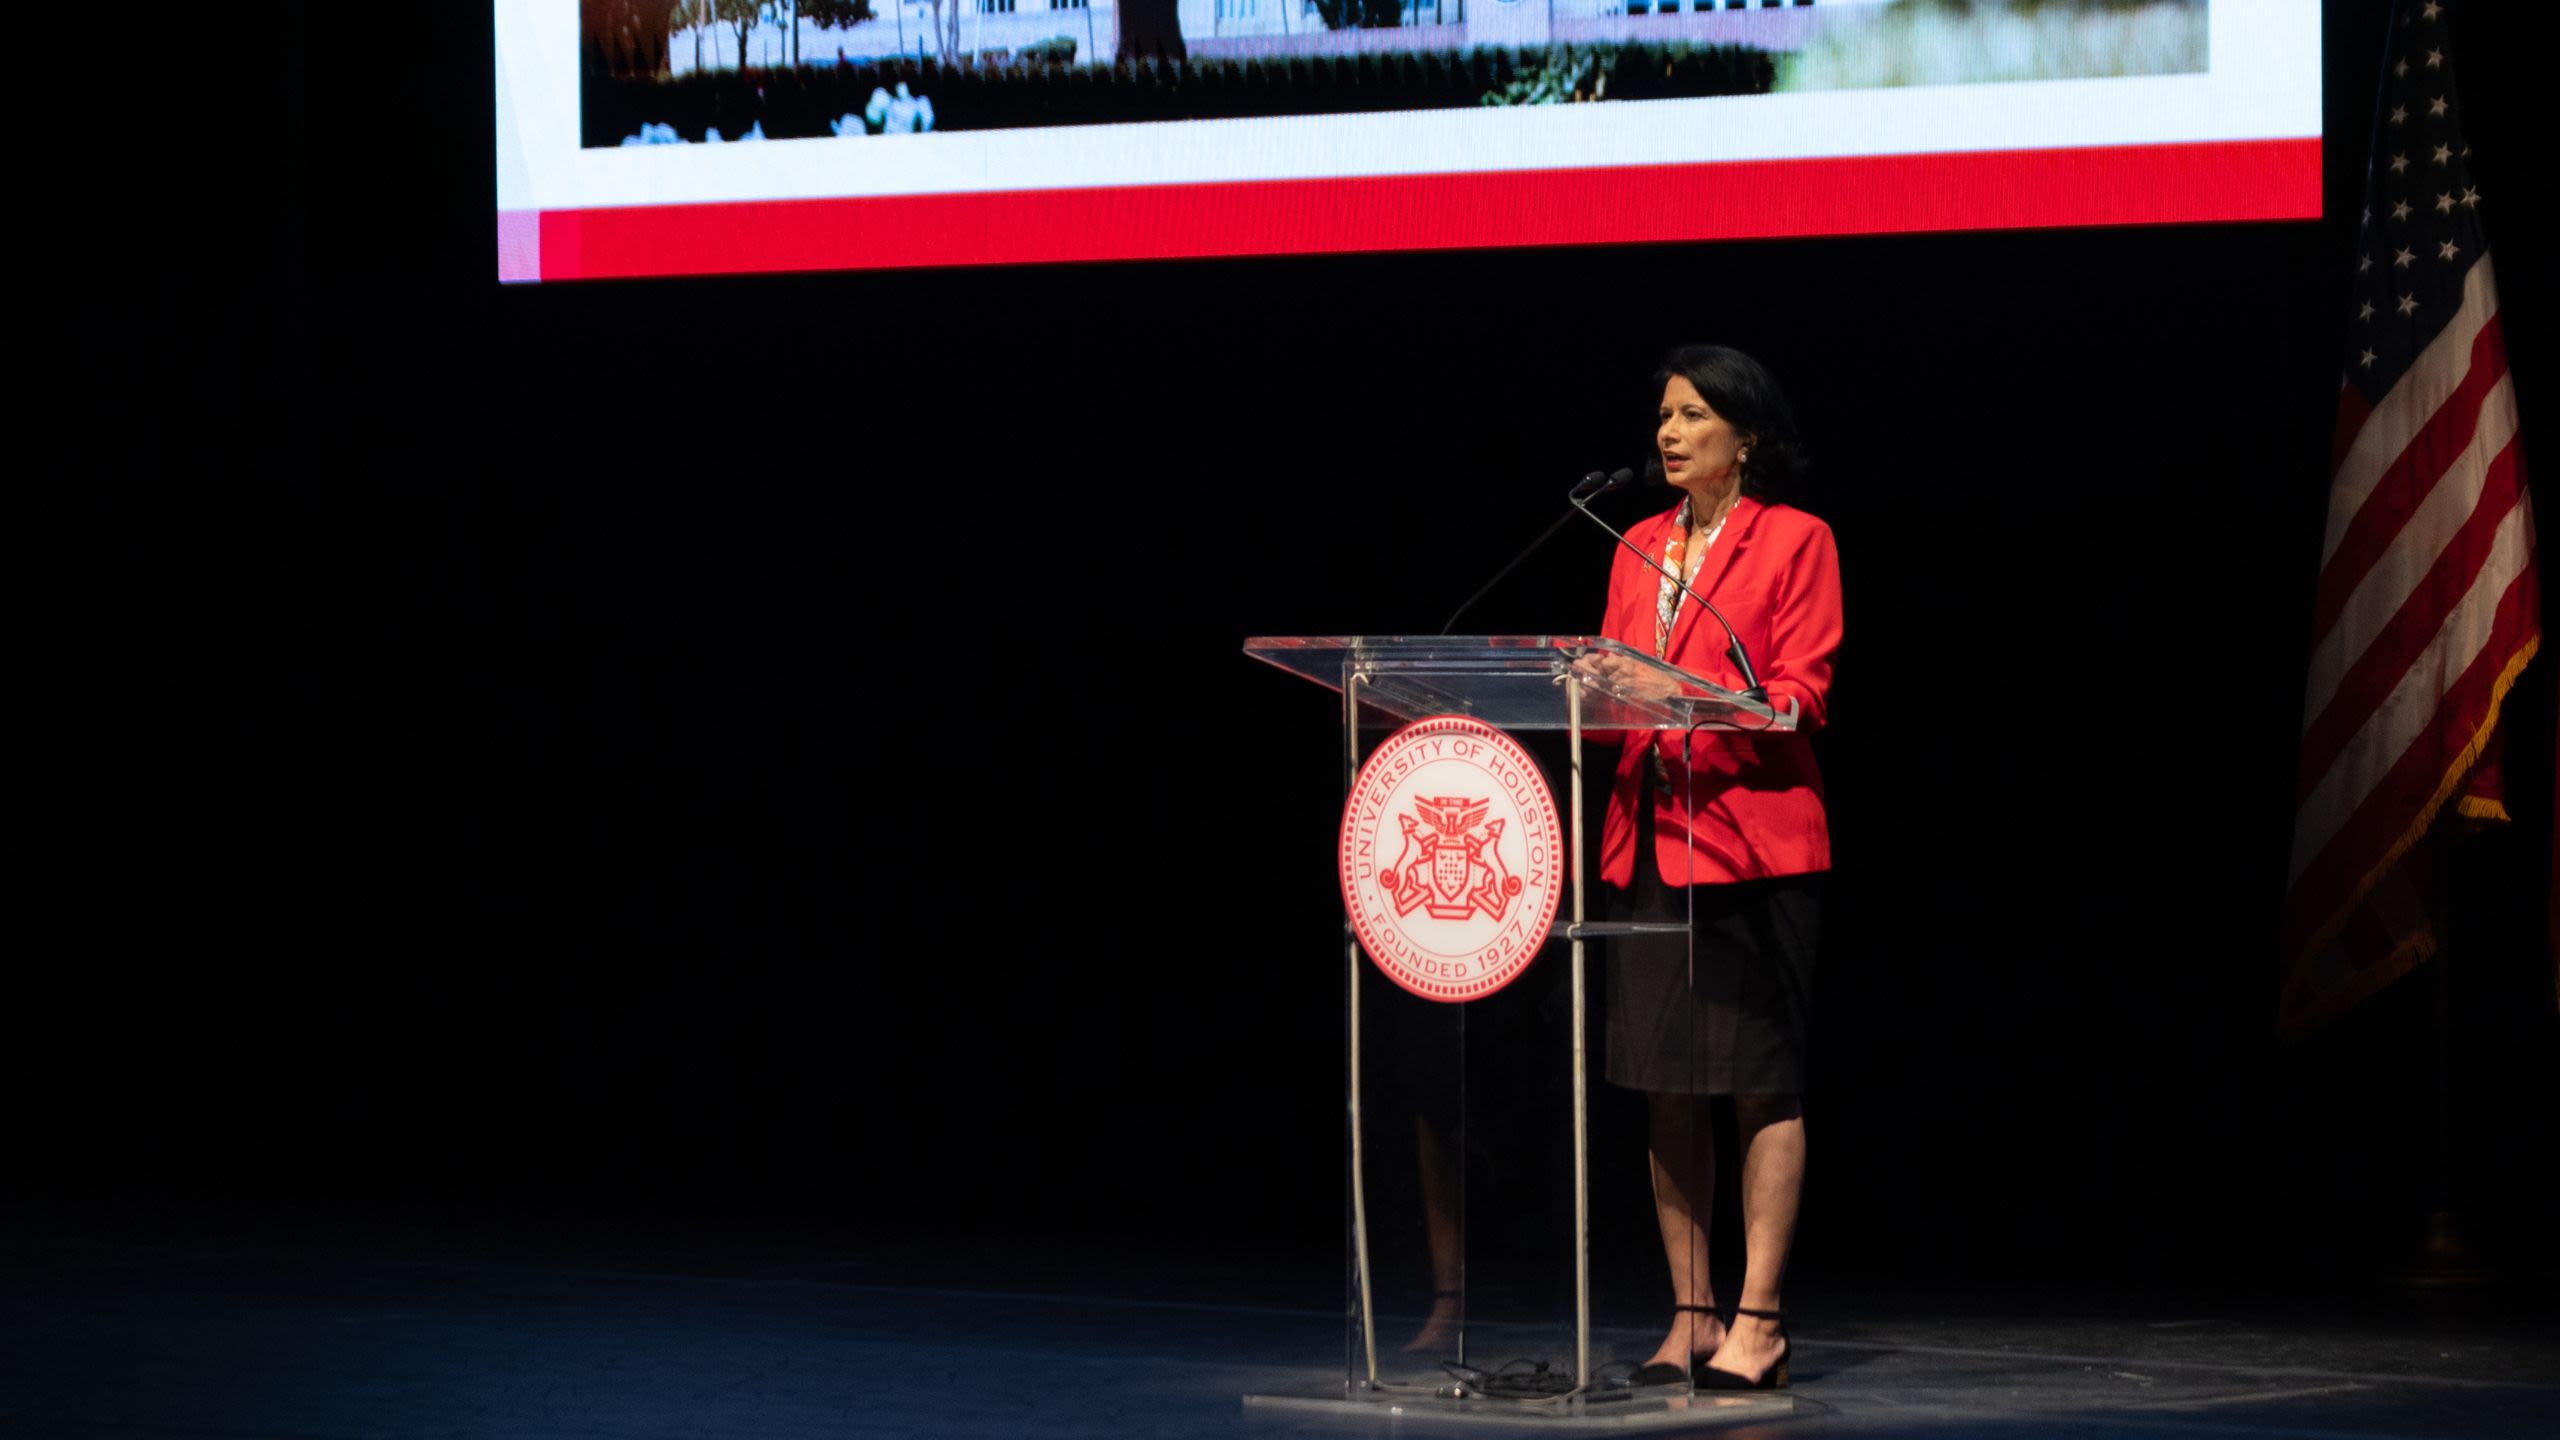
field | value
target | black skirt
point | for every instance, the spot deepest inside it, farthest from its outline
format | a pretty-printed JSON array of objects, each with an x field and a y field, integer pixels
[{"x": 1733, "y": 1019}]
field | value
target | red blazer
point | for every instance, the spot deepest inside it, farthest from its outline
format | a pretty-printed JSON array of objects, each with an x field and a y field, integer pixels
[{"x": 1775, "y": 574}]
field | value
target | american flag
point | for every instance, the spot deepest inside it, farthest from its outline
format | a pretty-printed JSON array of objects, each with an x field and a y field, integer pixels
[{"x": 2426, "y": 610}]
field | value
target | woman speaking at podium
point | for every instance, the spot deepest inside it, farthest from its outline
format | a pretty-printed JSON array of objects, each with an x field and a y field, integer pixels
[{"x": 1730, "y": 825}]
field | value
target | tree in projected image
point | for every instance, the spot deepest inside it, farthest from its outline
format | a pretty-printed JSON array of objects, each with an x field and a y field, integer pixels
[
  {"x": 946, "y": 27},
  {"x": 833, "y": 15},
  {"x": 741, "y": 14},
  {"x": 836, "y": 14},
  {"x": 1151, "y": 27},
  {"x": 1362, "y": 14},
  {"x": 627, "y": 37}
]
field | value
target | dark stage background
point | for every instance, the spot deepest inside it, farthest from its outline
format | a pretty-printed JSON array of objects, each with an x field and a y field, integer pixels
[{"x": 681, "y": 750}]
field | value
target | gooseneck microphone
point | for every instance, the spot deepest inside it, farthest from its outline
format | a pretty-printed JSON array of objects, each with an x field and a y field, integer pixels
[
  {"x": 1594, "y": 483},
  {"x": 1587, "y": 492}
]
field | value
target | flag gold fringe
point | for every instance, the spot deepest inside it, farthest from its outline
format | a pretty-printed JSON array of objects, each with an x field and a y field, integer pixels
[
  {"x": 2410, "y": 953},
  {"x": 2480, "y": 807}
]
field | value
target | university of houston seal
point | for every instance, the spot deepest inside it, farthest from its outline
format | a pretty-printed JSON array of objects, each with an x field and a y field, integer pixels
[{"x": 1452, "y": 858}]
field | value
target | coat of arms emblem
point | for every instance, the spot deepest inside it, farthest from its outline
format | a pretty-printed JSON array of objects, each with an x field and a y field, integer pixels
[
  {"x": 1452, "y": 861},
  {"x": 1452, "y": 858}
]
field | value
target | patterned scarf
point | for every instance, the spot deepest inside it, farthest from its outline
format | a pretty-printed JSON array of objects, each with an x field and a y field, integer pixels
[
  {"x": 1666, "y": 606},
  {"x": 1667, "y": 597}
]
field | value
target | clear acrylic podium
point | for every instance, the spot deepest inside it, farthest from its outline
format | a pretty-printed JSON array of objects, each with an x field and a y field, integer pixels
[{"x": 1484, "y": 1311}]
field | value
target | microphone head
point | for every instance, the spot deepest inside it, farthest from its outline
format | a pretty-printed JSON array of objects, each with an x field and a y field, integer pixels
[
  {"x": 1653, "y": 472},
  {"x": 1596, "y": 484}
]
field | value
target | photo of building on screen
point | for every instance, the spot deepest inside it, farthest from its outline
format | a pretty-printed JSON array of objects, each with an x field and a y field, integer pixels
[{"x": 693, "y": 71}]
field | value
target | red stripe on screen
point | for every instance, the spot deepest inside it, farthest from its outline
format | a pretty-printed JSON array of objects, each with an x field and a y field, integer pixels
[
  {"x": 2420, "y": 465},
  {"x": 2406, "y": 635},
  {"x": 1983, "y": 190}
]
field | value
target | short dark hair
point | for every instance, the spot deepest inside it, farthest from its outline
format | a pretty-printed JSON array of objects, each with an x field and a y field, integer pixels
[{"x": 1743, "y": 391}]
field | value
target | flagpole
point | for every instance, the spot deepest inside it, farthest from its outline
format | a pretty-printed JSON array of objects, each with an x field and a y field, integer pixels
[{"x": 2444, "y": 1260}]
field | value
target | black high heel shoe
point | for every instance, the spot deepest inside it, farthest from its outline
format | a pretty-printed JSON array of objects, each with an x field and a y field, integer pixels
[
  {"x": 1663, "y": 1372},
  {"x": 1773, "y": 1378}
]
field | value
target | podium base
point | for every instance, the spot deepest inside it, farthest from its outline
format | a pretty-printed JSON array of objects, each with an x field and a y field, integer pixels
[{"x": 1614, "y": 1412}]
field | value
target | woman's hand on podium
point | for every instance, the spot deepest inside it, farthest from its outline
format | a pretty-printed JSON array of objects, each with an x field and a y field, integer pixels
[{"x": 1630, "y": 679}]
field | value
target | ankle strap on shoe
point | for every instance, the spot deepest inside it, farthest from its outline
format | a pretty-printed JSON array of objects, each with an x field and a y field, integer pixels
[{"x": 1759, "y": 1314}]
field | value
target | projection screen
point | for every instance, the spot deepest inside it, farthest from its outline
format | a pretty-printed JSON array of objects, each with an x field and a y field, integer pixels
[{"x": 673, "y": 137}]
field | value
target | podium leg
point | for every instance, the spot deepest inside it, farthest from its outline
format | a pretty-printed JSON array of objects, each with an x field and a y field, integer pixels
[
  {"x": 1581, "y": 1069},
  {"x": 1351, "y": 1007}
]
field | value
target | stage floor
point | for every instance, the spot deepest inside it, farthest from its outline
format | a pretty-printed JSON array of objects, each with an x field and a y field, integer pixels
[{"x": 437, "y": 1331}]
